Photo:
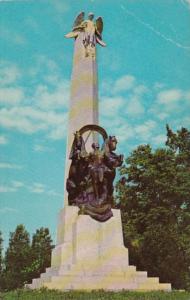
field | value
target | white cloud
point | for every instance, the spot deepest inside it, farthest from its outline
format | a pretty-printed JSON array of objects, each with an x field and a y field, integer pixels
[
  {"x": 140, "y": 89},
  {"x": 159, "y": 139},
  {"x": 17, "y": 118},
  {"x": 12, "y": 36},
  {"x": 10, "y": 166},
  {"x": 58, "y": 98},
  {"x": 124, "y": 133},
  {"x": 116, "y": 110},
  {"x": 47, "y": 99},
  {"x": 7, "y": 189},
  {"x": 61, "y": 6},
  {"x": 39, "y": 148},
  {"x": 162, "y": 115},
  {"x": 11, "y": 96},
  {"x": 124, "y": 83},
  {"x": 110, "y": 106},
  {"x": 169, "y": 96},
  {"x": 17, "y": 184},
  {"x": 12, "y": 187},
  {"x": 117, "y": 119},
  {"x": 145, "y": 130},
  {"x": 58, "y": 133},
  {"x": 187, "y": 95},
  {"x": 3, "y": 140},
  {"x": 158, "y": 85},
  {"x": 119, "y": 127},
  {"x": 171, "y": 105},
  {"x": 114, "y": 123},
  {"x": 134, "y": 107},
  {"x": 42, "y": 148},
  {"x": 29, "y": 120},
  {"x": 9, "y": 73},
  {"x": 187, "y": 2},
  {"x": 45, "y": 67},
  {"x": 37, "y": 188},
  {"x": 186, "y": 122},
  {"x": 5, "y": 210},
  {"x": 54, "y": 194},
  {"x": 131, "y": 104}
]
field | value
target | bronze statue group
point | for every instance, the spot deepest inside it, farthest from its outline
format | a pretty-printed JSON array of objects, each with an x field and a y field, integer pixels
[{"x": 91, "y": 176}]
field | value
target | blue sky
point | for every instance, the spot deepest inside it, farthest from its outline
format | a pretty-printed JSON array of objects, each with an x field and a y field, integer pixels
[{"x": 144, "y": 83}]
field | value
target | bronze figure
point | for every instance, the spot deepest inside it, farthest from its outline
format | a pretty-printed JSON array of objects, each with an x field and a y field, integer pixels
[
  {"x": 91, "y": 32},
  {"x": 91, "y": 175}
]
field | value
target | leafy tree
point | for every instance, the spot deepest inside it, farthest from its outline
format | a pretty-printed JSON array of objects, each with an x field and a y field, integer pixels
[
  {"x": 179, "y": 142},
  {"x": 1, "y": 262},
  {"x": 1, "y": 255},
  {"x": 24, "y": 260},
  {"x": 17, "y": 258},
  {"x": 41, "y": 252},
  {"x": 155, "y": 205}
]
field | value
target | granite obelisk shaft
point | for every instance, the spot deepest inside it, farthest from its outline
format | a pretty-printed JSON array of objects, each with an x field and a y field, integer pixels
[{"x": 83, "y": 107}]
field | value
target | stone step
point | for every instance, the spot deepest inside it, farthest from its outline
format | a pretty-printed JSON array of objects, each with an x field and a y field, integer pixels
[
  {"x": 137, "y": 281},
  {"x": 36, "y": 283},
  {"x": 129, "y": 273},
  {"x": 82, "y": 270},
  {"x": 111, "y": 283},
  {"x": 108, "y": 283},
  {"x": 101, "y": 280},
  {"x": 153, "y": 284},
  {"x": 153, "y": 280},
  {"x": 54, "y": 275}
]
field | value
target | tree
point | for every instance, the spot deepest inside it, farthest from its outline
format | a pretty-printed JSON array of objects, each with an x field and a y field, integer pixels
[
  {"x": 1, "y": 262},
  {"x": 41, "y": 252},
  {"x": 1, "y": 255},
  {"x": 17, "y": 258},
  {"x": 179, "y": 142},
  {"x": 155, "y": 206},
  {"x": 24, "y": 260}
]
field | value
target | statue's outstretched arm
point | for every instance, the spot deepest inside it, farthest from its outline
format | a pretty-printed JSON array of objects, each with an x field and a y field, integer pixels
[{"x": 79, "y": 27}]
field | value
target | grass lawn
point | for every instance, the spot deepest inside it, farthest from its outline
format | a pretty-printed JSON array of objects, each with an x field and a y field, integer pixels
[{"x": 44, "y": 294}]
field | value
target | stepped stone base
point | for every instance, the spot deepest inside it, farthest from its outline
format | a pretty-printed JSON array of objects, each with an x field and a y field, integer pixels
[{"x": 91, "y": 255}]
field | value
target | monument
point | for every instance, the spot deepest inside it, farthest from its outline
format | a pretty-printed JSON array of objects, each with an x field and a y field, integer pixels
[{"x": 90, "y": 253}]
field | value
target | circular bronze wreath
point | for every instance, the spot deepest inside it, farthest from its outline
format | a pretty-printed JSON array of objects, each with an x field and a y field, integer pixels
[{"x": 92, "y": 127}]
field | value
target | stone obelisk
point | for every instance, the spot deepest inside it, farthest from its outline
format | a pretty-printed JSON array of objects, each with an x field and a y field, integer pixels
[
  {"x": 84, "y": 91},
  {"x": 83, "y": 107}
]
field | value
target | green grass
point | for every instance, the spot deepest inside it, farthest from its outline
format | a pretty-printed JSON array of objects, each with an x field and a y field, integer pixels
[{"x": 44, "y": 294}]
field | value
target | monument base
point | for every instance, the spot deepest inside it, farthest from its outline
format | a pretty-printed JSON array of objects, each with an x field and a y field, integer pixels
[{"x": 91, "y": 255}]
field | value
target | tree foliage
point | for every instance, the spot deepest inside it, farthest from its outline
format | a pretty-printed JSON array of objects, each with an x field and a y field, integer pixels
[
  {"x": 41, "y": 251},
  {"x": 17, "y": 258},
  {"x": 1, "y": 255},
  {"x": 24, "y": 260},
  {"x": 155, "y": 205}
]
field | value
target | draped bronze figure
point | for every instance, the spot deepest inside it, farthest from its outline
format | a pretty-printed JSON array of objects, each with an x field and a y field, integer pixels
[{"x": 91, "y": 175}]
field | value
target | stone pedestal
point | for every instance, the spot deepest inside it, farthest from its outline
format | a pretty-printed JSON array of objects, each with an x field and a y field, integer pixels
[{"x": 91, "y": 255}]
